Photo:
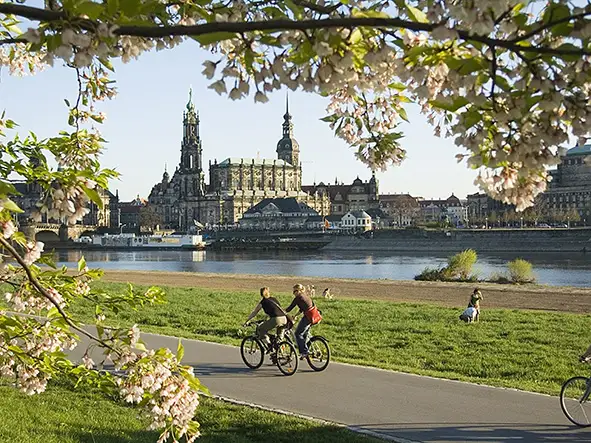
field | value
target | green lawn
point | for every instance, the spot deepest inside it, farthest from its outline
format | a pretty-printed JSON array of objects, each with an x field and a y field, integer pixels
[
  {"x": 62, "y": 416},
  {"x": 534, "y": 351}
]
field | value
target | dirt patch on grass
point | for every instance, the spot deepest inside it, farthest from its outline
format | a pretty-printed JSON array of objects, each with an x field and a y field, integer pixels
[{"x": 548, "y": 298}]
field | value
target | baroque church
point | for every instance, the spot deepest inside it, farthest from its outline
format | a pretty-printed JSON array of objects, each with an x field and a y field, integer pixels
[{"x": 235, "y": 184}]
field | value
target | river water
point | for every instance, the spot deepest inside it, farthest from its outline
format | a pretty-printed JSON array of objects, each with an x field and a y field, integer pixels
[{"x": 552, "y": 269}]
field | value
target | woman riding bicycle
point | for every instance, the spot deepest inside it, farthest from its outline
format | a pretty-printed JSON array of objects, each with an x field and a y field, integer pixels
[
  {"x": 272, "y": 308},
  {"x": 304, "y": 303}
]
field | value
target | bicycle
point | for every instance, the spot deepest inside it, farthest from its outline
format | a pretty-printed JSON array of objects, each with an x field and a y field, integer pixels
[
  {"x": 574, "y": 400},
  {"x": 318, "y": 349},
  {"x": 283, "y": 353}
]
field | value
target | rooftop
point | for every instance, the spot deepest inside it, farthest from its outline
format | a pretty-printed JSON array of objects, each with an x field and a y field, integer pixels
[
  {"x": 255, "y": 161},
  {"x": 578, "y": 150}
]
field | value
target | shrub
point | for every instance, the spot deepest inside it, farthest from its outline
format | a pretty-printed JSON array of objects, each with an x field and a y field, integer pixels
[
  {"x": 430, "y": 274},
  {"x": 499, "y": 278},
  {"x": 520, "y": 271},
  {"x": 459, "y": 266}
]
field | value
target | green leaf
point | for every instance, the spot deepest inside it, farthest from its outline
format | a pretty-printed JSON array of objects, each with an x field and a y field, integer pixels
[
  {"x": 416, "y": 14},
  {"x": 214, "y": 37},
  {"x": 129, "y": 7},
  {"x": 11, "y": 206},
  {"x": 403, "y": 114},
  {"x": 503, "y": 83},
  {"x": 81, "y": 264},
  {"x": 94, "y": 196},
  {"x": 91, "y": 9},
  {"x": 570, "y": 47},
  {"x": 457, "y": 103},
  {"x": 471, "y": 118},
  {"x": 554, "y": 12},
  {"x": 112, "y": 6},
  {"x": 180, "y": 351}
]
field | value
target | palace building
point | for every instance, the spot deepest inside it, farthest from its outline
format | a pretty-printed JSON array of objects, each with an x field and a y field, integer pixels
[{"x": 235, "y": 184}]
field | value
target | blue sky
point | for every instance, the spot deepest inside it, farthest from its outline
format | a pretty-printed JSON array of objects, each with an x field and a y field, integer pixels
[{"x": 144, "y": 127}]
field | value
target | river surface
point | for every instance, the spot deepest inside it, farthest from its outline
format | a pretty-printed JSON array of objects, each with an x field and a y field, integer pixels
[{"x": 558, "y": 269}]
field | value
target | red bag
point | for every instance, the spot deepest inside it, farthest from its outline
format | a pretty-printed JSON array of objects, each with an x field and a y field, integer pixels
[{"x": 313, "y": 314}]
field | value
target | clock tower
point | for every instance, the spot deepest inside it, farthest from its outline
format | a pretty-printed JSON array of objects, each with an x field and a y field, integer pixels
[{"x": 288, "y": 148}]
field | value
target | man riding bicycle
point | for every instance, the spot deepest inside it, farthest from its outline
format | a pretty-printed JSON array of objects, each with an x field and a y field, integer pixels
[{"x": 277, "y": 318}]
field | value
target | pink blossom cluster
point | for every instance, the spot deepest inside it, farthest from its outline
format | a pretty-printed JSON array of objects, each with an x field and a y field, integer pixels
[
  {"x": 33, "y": 252},
  {"x": 68, "y": 205},
  {"x": 170, "y": 398},
  {"x": 8, "y": 229}
]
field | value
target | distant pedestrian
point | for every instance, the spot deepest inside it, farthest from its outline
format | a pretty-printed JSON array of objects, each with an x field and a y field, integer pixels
[{"x": 475, "y": 302}]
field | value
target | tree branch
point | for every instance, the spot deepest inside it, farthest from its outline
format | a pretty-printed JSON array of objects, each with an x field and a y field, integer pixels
[
  {"x": 277, "y": 25},
  {"x": 48, "y": 296},
  {"x": 549, "y": 25}
]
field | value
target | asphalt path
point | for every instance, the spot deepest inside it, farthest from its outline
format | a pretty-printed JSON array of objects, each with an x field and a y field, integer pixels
[{"x": 397, "y": 406}]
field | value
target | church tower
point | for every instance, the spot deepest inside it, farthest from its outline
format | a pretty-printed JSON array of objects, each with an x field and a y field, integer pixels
[
  {"x": 191, "y": 166},
  {"x": 288, "y": 149}
]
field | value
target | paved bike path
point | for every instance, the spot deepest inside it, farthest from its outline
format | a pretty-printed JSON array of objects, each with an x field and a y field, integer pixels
[{"x": 399, "y": 406}]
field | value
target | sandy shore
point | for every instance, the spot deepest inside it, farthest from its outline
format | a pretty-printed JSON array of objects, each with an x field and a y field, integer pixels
[{"x": 548, "y": 298}]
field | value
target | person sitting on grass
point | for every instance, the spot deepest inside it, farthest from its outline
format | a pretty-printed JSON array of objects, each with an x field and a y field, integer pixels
[
  {"x": 277, "y": 319},
  {"x": 475, "y": 302}
]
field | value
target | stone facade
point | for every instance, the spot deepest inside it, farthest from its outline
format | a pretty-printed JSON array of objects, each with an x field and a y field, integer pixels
[
  {"x": 341, "y": 198},
  {"x": 235, "y": 184},
  {"x": 570, "y": 188},
  {"x": 278, "y": 214},
  {"x": 403, "y": 209}
]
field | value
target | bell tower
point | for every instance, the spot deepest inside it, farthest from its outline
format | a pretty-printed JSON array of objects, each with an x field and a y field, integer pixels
[
  {"x": 288, "y": 148},
  {"x": 191, "y": 165}
]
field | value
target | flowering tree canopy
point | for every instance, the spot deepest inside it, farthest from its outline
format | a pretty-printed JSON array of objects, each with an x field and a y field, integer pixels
[{"x": 509, "y": 80}]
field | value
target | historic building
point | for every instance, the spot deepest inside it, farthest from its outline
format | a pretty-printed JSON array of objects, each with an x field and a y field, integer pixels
[
  {"x": 341, "y": 198},
  {"x": 278, "y": 214},
  {"x": 433, "y": 211},
  {"x": 570, "y": 188},
  {"x": 403, "y": 209},
  {"x": 235, "y": 184}
]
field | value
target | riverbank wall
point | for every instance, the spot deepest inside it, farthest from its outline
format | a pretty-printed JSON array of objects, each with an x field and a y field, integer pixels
[{"x": 498, "y": 240}]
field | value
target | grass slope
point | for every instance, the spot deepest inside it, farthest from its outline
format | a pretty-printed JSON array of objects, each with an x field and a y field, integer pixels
[
  {"x": 62, "y": 416},
  {"x": 528, "y": 350}
]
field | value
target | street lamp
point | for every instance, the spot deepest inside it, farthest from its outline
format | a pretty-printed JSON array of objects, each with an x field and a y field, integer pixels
[
  {"x": 568, "y": 221},
  {"x": 486, "y": 222},
  {"x": 121, "y": 226},
  {"x": 521, "y": 222}
]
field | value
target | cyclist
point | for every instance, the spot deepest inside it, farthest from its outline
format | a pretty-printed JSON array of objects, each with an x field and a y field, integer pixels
[
  {"x": 277, "y": 318},
  {"x": 304, "y": 303}
]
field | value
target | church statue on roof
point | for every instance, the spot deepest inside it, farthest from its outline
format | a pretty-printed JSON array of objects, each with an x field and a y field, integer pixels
[{"x": 235, "y": 184}]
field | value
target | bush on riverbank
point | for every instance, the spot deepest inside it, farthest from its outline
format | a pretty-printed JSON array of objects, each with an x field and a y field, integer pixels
[
  {"x": 519, "y": 271},
  {"x": 459, "y": 268}
]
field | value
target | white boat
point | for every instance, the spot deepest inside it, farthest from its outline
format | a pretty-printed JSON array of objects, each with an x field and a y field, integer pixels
[{"x": 131, "y": 241}]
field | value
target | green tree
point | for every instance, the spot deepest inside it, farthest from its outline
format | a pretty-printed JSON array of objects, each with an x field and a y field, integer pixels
[
  {"x": 492, "y": 74},
  {"x": 149, "y": 218}
]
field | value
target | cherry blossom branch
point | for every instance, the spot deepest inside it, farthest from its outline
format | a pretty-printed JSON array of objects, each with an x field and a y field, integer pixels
[
  {"x": 278, "y": 25},
  {"x": 48, "y": 296},
  {"x": 549, "y": 25}
]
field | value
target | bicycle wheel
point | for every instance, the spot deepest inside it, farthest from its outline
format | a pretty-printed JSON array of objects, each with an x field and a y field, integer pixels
[
  {"x": 252, "y": 352},
  {"x": 318, "y": 353},
  {"x": 287, "y": 358},
  {"x": 574, "y": 400}
]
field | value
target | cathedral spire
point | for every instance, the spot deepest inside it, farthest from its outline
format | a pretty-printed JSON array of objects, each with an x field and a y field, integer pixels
[
  {"x": 287, "y": 124},
  {"x": 287, "y": 148},
  {"x": 190, "y": 106}
]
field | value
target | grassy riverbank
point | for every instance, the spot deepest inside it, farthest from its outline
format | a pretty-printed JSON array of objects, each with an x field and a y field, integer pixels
[
  {"x": 62, "y": 416},
  {"x": 528, "y": 350}
]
